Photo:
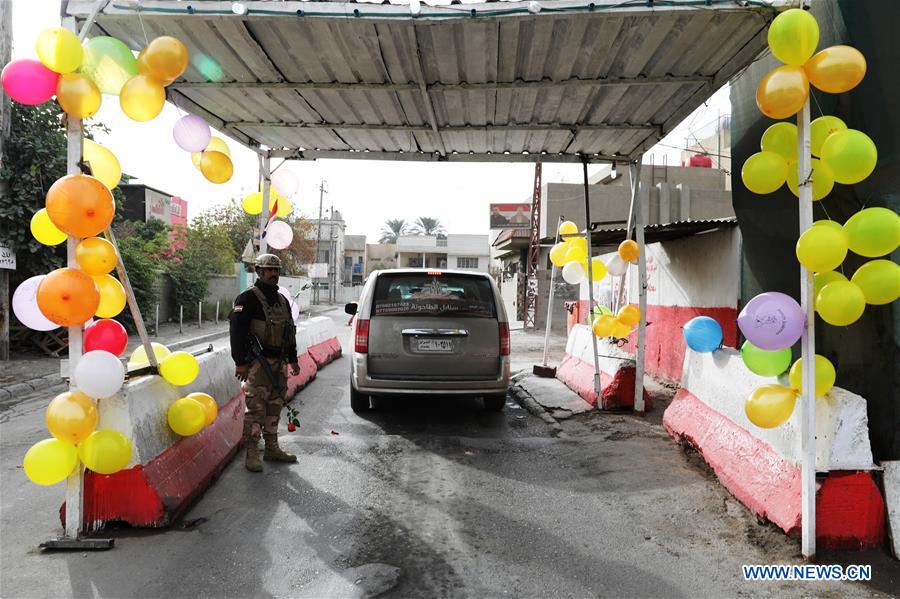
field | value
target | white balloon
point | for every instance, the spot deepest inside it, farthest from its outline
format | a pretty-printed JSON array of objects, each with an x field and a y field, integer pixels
[
  {"x": 573, "y": 273},
  {"x": 285, "y": 182},
  {"x": 616, "y": 266},
  {"x": 25, "y": 306},
  {"x": 295, "y": 308},
  {"x": 279, "y": 234},
  {"x": 99, "y": 374}
]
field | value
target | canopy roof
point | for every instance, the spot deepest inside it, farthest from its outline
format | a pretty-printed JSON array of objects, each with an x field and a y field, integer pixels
[{"x": 489, "y": 82}]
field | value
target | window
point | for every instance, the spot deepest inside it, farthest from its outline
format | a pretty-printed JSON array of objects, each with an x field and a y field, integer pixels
[
  {"x": 348, "y": 261},
  {"x": 466, "y": 262},
  {"x": 359, "y": 260},
  {"x": 447, "y": 295},
  {"x": 323, "y": 256},
  {"x": 175, "y": 209}
]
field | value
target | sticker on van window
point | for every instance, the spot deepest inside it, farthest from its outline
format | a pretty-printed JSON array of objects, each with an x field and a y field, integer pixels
[{"x": 429, "y": 295}]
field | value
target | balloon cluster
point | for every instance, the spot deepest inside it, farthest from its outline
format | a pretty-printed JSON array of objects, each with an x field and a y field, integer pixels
[
  {"x": 177, "y": 368},
  {"x": 209, "y": 154},
  {"x": 283, "y": 186},
  {"x": 190, "y": 414}
]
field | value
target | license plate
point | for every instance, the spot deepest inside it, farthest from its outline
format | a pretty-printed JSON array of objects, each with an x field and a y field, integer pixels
[{"x": 434, "y": 345}]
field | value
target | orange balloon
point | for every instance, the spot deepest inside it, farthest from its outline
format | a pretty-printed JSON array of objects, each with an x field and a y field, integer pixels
[
  {"x": 71, "y": 416},
  {"x": 629, "y": 250},
  {"x": 68, "y": 297},
  {"x": 782, "y": 92},
  {"x": 836, "y": 69},
  {"x": 629, "y": 315},
  {"x": 166, "y": 58},
  {"x": 210, "y": 407},
  {"x": 144, "y": 69},
  {"x": 112, "y": 296},
  {"x": 77, "y": 95},
  {"x": 80, "y": 205},
  {"x": 216, "y": 167},
  {"x": 96, "y": 256}
]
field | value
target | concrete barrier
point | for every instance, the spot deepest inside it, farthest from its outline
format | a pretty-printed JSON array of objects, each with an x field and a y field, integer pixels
[
  {"x": 761, "y": 467},
  {"x": 324, "y": 347}
]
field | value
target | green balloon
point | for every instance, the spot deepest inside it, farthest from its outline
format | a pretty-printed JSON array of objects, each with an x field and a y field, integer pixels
[
  {"x": 109, "y": 63},
  {"x": 765, "y": 363}
]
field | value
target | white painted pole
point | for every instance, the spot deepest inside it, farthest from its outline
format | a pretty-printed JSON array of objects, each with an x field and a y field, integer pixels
[
  {"x": 642, "y": 295},
  {"x": 590, "y": 278},
  {"x": 550, "y": 300},
  {"x": 264, "y": 214},
  {"x": 634, "y": 172},
  {"x": 807, "y": 351}
]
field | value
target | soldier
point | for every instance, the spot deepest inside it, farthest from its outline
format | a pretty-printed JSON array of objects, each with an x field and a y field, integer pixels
[{"x": 263, "y": 340}]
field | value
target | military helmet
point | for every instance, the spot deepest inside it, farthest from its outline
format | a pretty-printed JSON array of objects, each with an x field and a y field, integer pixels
[{"x": 268, "y": 261}]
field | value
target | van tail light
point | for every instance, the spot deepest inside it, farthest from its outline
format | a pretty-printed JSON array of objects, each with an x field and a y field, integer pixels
[
  {"x": 504, "y": 339},
  {"x": 361, "y": 344}
]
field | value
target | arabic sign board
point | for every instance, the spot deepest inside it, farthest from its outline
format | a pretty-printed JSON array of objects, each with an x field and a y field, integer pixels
[
  {"x": 7, "y": 258},
  {"x": 317, "y": 271}
]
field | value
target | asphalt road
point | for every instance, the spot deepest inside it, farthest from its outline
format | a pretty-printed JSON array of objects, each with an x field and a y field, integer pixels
[{"x": 419, "y": 499}]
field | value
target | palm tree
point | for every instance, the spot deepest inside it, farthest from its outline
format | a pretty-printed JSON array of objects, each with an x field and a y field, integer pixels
[
  {"x": 392, "y": 229},
  {"x": 426, "y": 225}
]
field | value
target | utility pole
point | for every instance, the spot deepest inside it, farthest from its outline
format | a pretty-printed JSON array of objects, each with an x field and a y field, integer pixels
[
  {"x": 322, "y": 192},
  {"x": 5, "y": 53}
]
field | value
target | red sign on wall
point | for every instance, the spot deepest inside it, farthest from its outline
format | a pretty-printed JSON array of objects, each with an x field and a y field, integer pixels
[{"x": 510, "y": 216}]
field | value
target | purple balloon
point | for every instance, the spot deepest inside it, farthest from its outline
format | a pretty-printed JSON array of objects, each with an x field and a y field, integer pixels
[
  {"x": 191, "y": 133},
  {"x": 28, "y": 81},
  {"x": 772, "y": 321}
]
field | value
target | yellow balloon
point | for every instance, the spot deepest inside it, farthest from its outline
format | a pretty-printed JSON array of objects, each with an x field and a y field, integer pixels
[
  {"x": 217, "y": 144},
  {"x": 105, "y": 451},
  {"x": 770, "y": 405},
  {"x": 879, "y": 281},
  {"x": 629, "y": 314},
  {"x": 781, "y": 138},
  {"x": 793, "y": 36},
  {"x": 822, "y": 179},
  {"x": 620, "y": 330},
  {"x": 43, "y": 229},
  {"x": 139, "y": 355},
  {"x": 782, "y": 92},
  {"x": 820, "y": 279},
  {"x": 179, "y": 368},
  {"x": 166, "y": 58},
  {"x": 558, "y": 254},
  {"x": 764, "y": 172},
  {"x": 598, "y": 268},
  {"x": 77, "y": 95},
  {"x": 567, "y": 228},
  {"x": 820, "y": 129},
  {"x": 836, "y": 69},
  {"x": 576, "y": 254},
  {"x": 210, "y": 407},
  {"x": 827, "y": 223},
  {"x": 104, "y": 164},
  {"x": 59, "y": 49},
  {"x": 579, "y": 242},
  {"x": 216, "y": 166},
  {"x": 50, "y": 461},
  {"x": 186, "y": 416},
  {"x": 96, "y": 257},
  {"x": 629, "y": 251},
  {"x": 603, "y": 325},
  {"x": 873, "y": 232},
  {"x": 252, "y": 203},
  {"x": 112, "y": 296},
  {"x": 284, "y": 206},
  {"x": 821, "y": 248},
  {"x": 142, "y": 98},
  {"x": 851, "y": 155},
  {"x": 841, "y": 303},
  {"x": 71, "y": 416},
  {"x": 825, "y": 375}
]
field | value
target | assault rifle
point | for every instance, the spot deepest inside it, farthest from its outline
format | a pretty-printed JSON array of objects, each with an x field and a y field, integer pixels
[{"x": 256, "y": 350}]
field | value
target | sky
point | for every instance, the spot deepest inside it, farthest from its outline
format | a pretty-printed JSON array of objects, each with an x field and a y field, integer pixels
[{"x": 365, "y": 193}]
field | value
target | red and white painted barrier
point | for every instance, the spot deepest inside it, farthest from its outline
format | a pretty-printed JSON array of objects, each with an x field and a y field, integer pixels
[
  {"x": 761, "y": 467},
  {"x": 324, "y": 346},
  {"x": 308, "y": 367}
]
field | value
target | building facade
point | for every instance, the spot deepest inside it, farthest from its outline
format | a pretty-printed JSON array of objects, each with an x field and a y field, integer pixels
[
  {"x": 328, "y": 275},
  {"x": 354, "y": 271},
  {"x": 457, "y": 252}
]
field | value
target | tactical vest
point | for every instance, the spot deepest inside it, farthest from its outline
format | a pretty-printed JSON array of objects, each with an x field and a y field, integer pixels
[{"x": 277, "y": 331}]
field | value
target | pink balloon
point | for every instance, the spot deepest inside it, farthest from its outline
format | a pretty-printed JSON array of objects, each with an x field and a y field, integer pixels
[
  {"x": 28, "y": 81},
  {"x": 279, "y": 234},
  {"x": 191, "y": 133},
  {"x": 25, "y": 306}
]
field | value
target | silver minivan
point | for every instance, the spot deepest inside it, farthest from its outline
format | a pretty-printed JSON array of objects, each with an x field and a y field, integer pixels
[{"x": 429, "y": 332}]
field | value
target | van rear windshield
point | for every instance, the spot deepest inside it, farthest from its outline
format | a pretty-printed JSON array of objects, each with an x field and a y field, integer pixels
[{"x": 427, "y": 294}]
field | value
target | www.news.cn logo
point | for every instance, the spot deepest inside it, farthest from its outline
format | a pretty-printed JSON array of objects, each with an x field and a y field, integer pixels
[{"x": 806, "y": 572}]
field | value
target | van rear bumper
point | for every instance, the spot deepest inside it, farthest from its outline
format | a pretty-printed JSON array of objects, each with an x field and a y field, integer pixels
[{"x": 363, "y": 383}]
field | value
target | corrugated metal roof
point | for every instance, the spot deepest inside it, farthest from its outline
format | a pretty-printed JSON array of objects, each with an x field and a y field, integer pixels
[
  {"x": 486, "y": 81},
  {"x": 658, "y": 232}
]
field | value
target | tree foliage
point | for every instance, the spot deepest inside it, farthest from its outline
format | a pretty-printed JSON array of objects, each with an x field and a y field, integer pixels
[
  {"x": 392, "y": 229},
  {"x": 207, "y": 251},
  {"x": 144, "y": 247},
  {"x": 425, "y": 225}
]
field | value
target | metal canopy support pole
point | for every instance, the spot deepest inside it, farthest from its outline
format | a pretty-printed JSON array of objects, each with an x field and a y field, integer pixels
[
  {"x": 642, "y": 291},
  {"x": 807, "y": 351},
  {"x": 634, "y": 172},
  {"x": 553, "y": 270},
  {"x": 590, "y": 276},
  {"x": 264, "y": 214}
]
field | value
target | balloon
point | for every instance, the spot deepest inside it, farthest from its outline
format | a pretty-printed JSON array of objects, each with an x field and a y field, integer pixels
[
  {"x": 43, "y": 229},
  {"x": 822, "y": 248},
  {"x": 139, "y": 355},
  {"x": 285, "y": 182},
  {"x": 252, "y": 204},
  {"x": 825, "y": 375},
  {"x": 781, "y": 138},
  {"x": 144, "y": 69},
  {"x": 820, "y": 129},
  {"x": 49, "y": 461},
  {"x": 142, "y": 98},
  {"x": 112, "y": 296},
  {"x": 59, "y": 49},
  {"x": 68, "y": 297},
  {"x": 166, "y": 58},
  {"x": 557, "y": 253},
  {"x": 579, "y": 242},
  {"x": 96, "y": 256},
  {"x": 99, "y": 374},
  {"x": 25, "y": 306},
  {"x": 764, "y": 172},
  {"x": 827, "y": 223},
  {"x": 873, "y": 232},
  {"x": 80, "y": 205},
  {"x": 77, "y": 95},
  {"x": 28, "y": 81},
  {"x": 573, "y": 273},
  {"x": 793, "y": 36},
  {"x": 210, "y": 408},
  {"x": 179, "y": 368},
  {"x": 850, "y": 154},
  {"x": 879, "y": 281},
  {"x": 629, "y": 251},
  {"x": 629, "y": 315},
  {"x": 186, "y": 416},
  {"x": 216, "y": 144},
  {"x": 216, "y": 166},
  {"x": 840, "y": 303},
  {"x": 109, "y": 63},
  {"x": 765, "y": 363},
  {"x": 279, "y": 234},
  {"x": 820, "y": 279},
  {"x": 601, "y": 310},
  {"x": 598, "y": 268},
  {"x": 770, "y": 405},
  {"x": 295, "y": 309},
  {"x": 620, "y": 330},
  {"x": 772, "y": 321},
  {"x": 702, "y": 334},
  {"x": 106, "y": 335},
  {"x": 105, "y": 451},
  {"x": 616, "y": 267},
  {"x": 782, "y": 92},
  {"x": 104, "y": 164},
  {"x": 284, "y": 207},
  {"x": 71, "y": 416},
  {"x": 837, "y": 69},
  {"x": 567, "y": 229},
  {"x": 576, "y": 254},
  {"x": 822, "y": 179},
  {"x": 191, "y": 133},
  {"x": 603, "y": 325}
]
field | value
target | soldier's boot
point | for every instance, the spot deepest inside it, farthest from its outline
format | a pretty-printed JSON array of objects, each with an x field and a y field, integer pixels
[
  {"x": 274, "y": 453},
  {"x": 252, "y": 461}
]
